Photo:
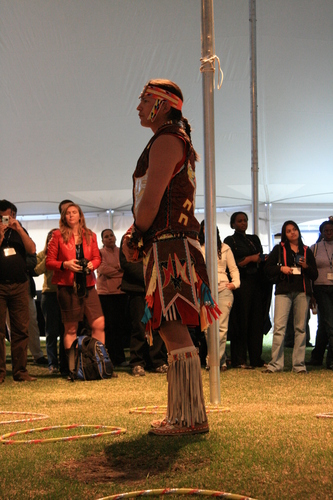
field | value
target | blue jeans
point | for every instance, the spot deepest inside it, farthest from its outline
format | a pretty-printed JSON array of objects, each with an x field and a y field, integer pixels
[{"x": 283, "y": 303}]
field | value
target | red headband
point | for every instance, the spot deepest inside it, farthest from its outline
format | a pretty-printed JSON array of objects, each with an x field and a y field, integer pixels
[{"x": 162, "y": 94}]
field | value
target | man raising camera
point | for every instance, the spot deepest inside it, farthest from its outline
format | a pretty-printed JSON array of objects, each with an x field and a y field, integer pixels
[{"x": 15, "y": 243}]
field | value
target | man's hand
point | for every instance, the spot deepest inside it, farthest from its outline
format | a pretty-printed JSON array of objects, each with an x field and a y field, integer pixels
[{"x": 29, "y": 245}]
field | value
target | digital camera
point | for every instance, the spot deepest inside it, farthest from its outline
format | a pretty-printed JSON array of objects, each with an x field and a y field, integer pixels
[
  {"x": 4, "y": 219},
  {"x": 84, "y": 263}
]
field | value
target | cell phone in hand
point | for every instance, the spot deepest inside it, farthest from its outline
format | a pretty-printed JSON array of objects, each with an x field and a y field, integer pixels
[{"x": 298, "y": 257}]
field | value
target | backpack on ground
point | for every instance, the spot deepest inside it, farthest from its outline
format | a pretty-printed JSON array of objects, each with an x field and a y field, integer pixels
[{"x": 91, "y": 359}]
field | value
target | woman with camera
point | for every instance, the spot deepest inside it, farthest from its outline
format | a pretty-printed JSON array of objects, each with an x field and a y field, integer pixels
[
  {"x": 73, "y": 255},
  {"x": 294, "y": 266}
]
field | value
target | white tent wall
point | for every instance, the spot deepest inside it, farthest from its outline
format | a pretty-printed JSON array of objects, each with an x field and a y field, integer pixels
[{"x": 71, "y": 71}]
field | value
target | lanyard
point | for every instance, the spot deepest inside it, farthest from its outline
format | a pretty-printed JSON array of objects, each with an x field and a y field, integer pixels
[
  {"x": 78, "y": 251},
  {"x": 330, "y": 260},
  {"x": 285, "y": 261},
  {"x": 6, "y": 238}
]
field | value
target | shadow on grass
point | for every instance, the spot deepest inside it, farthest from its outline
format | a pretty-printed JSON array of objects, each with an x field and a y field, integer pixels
[{"x": 133, "y": 461}]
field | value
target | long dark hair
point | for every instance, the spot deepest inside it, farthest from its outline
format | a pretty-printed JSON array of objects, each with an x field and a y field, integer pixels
[
  {"x": 284, "y": 238},
  {"x": 218, "y": 238},
  {"x": 174, "y": 114}
]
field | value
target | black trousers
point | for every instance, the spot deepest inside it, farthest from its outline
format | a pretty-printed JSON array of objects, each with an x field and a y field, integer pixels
[
  {"x": 246, "y": 322},
  {"x": 141, "y": 353},
  {"x": 15, "y": 298},
  {"x": 114, "y": 310},
  {"x": 324, "y": 337}
]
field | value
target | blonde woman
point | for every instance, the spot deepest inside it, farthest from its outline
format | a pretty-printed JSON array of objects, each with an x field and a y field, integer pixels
[{"x": 73, "y": 255}]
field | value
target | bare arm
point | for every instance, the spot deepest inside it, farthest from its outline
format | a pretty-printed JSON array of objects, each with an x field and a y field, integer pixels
[
  {"x": 165, "y": 153},
  {"x": 29, "y": 245}
]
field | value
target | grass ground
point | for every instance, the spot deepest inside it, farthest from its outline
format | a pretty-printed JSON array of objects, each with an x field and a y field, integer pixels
[{"x": 270, "y": 445}]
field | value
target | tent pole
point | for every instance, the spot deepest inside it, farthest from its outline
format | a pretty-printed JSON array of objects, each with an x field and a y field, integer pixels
[
  {"x": 110, "y": 218},
  {"x": 207, "y": 52},
  {"x": 269, "y": 226},
  {"x": 254, "y": 120}
]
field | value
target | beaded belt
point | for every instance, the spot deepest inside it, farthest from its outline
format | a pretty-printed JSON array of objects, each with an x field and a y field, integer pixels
[{"x": 182, "y": 356}]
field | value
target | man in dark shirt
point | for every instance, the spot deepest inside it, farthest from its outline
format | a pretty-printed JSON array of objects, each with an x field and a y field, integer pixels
[{"x": 15, "y": 243}]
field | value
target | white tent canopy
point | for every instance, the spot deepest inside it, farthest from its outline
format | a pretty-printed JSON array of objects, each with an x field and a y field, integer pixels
[{"x": 71, "y": 72}]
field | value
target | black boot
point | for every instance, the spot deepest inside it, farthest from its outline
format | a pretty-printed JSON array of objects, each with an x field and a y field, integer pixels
[{"x": 72, "y": 359}]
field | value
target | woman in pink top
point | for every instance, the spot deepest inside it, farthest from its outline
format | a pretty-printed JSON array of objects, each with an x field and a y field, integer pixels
[{"x": 113, "y": 300}]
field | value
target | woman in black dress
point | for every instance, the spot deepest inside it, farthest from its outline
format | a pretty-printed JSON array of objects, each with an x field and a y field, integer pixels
[{"x": 246, "y": 324}]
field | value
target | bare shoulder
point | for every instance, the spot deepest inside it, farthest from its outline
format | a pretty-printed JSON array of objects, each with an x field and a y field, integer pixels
[{"x": 168, "y": 143}]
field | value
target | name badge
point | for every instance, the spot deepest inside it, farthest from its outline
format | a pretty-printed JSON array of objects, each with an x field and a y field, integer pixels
[
  {"x": 9, "y": 251},
  {"x": 330, "y": 276},
  {"x": 296, "y": 270}
]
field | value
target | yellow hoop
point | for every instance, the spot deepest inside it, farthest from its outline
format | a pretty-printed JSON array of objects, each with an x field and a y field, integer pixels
[
  {"x": 112, "y": 430},
  {"x": 39, "y": 416},
  {"x": 153, "y": 410},
  {"x": 177, "y": 491},
  {"x": 325, "y": 415}
]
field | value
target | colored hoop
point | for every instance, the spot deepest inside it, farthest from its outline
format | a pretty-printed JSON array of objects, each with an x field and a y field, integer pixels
[
  {"x": 113, "y": 430},
  {"x": 152, "y": 410},
  {"x": 39, "y": 416},
  {"x": 325, "y": 415},
  {"x": 217, "y": 409},
  {"x": 177, "y": 491}
]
